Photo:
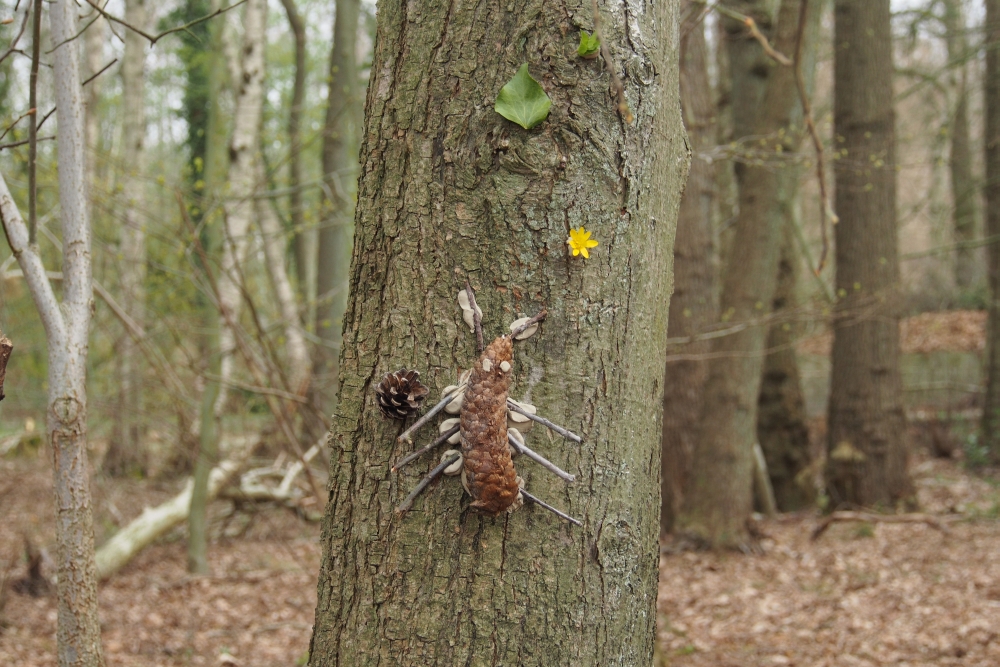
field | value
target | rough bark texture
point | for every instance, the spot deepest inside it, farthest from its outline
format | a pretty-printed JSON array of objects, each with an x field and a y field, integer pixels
[
  {"x": 721, "y": 490},
  {"x": 695, "y": 303},
  {"x": 450, "y": 189},
  {"x": 339, "y": 174},
  {"x": 126, "y": 453},
  {"x": 867, "y": 461},
  {"x": 963, "y": 184},
  {"x": 991, "y": 408}
]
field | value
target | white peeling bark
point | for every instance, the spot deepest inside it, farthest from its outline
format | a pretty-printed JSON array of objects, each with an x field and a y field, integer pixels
[
  {"x": 66, "y": 327},
  {"x": 274, "y": 252},
  {"x": 243, "y": 155}
]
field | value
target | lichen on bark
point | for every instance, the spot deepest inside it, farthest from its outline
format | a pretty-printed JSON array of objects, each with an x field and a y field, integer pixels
[{"x": 450, "y": 190}]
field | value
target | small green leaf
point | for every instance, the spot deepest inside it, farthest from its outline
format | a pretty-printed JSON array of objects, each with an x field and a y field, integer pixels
[
  {"x": 590, "y": 45},
  {"x": 523, "y": 101}
]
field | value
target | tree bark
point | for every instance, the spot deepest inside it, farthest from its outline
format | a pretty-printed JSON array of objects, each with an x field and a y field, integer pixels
[
  {"x": 126, "y": 454},
  {"x": 78, "y": 632},
  {"x": 866, "y": 424},
  {"x": 339, "y": 176},
  {"x": 963, "y": 184},
  {"x": 450, "y": 190},
  {"x": 694, "y": 306},
  {"x": 990, "y": 432},
  {"x": 721, "y": 490}
]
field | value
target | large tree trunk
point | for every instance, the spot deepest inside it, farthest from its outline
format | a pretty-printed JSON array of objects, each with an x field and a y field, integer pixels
[
  {"x": 78, "y": 633},
  {"x": 695, "y": 304},
  {"x": 991, "y": 408},
  {"x": 963, "y": 185},
  {"x": 781, "y": 417},
  {"x": 126, "y": 454},
  {"x": 450, "y": 190},
  {"x": 720, "y": 498},
  {"x": 867, "y": 459},
  {"x": 339, "y": 174}
]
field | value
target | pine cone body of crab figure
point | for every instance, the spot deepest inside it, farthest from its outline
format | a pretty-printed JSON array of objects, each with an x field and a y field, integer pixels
[
  {"x": 400, "y": 393},
  {"x": 488, "y": 471}
]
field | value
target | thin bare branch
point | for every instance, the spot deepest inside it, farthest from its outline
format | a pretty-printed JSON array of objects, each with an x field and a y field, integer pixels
[
  {"x": 98, "y": 73},
  {"x": 530, "y": 323},
  {"x": 511, "y": 405},
  {"x": 153, "y": 39},
  {"x": 413, "y": 456},
  {"x": 445, "y": 400},
  {"x": 17, "y": 38},
  {"x": 539, "y": 459},
  {"x": 431, "y": 476}
]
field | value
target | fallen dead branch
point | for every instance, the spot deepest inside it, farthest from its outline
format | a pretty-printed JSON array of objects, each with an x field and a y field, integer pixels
[
  {"x": 253, "y": 487},
  {"x": 869, "y": 517},
  {"x": 155, "y": 521}
]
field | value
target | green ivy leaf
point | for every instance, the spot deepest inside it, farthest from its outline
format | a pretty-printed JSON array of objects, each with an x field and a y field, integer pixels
[
  {"x": 523, "y": 101},
  {"x": 590, "y": 45}
]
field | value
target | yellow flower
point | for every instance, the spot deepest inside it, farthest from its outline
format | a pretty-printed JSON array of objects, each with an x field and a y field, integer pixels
[{"x": 579, "y": 240}]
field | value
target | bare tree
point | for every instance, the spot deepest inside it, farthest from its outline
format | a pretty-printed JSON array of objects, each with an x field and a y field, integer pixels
[
  {"x": 694, "y": 306},
  {"x": 450, "y": 190},
  {"x": 990, "y": 430},
  {"x": 720, "y": 498},
  {"x": 66, "y": 328},
  {"x": 866, "y": 424},
  {"x": 126, "y": 451}
]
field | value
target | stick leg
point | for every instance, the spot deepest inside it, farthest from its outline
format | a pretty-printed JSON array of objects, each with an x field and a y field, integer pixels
[
  {"x": 431, "y": 476},
  {"x": 550, "y": 508},
  {"x": 423, "y": 450},
  {"x": 540, "y": 460},
  {"x": 405, "y": 435},
  {"x": 545, "y": 422}
]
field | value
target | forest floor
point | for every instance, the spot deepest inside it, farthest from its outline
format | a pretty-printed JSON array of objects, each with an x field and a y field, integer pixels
[{"x": 861, "y": 594}]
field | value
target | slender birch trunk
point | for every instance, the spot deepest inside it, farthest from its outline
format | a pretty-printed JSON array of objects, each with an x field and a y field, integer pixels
[
  {"x": 126, "y": 454},
  {"x": 78, "y": 633},
  {"x": 244, "y": 152},
  {"x": 244, "y": 147}
]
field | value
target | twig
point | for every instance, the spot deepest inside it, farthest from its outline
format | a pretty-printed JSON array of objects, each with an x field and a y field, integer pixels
[
  {"x": 511, "y": 405},
  {"x": 550, "y": 508},
  {"x": 413, "y": 456},
  {"x": 754, "y": 32},
  {"x": 431, "y": 476},
  {"x": 609, "y": 62},
  {"x": 539, "y": 459},
  {"x": 477, "y": 321},
  {"x": 15, "y": 144},
  {"x": 36, "y": 39},
  {"x": 448, "y": 398},
  {"x": 45, "y": 118},
  {"x": 17, "y": 38},
  {"x": 98, "y": 73},
  {"x": 878, "y": 518},
  {"x": 153, "y": 39},
  {"x": 17, "y": 120},
  {"x": 530, "y": 323},
  {"x": 825, "y": 209}
]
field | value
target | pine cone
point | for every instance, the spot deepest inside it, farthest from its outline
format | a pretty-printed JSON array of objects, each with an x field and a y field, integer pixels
[{"x": 400, "y": 393}]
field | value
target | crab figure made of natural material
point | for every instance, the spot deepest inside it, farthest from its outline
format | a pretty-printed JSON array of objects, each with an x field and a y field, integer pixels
[{"x": 488, "y": 425}]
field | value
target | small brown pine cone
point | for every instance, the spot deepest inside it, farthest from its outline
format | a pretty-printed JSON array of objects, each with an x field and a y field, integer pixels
[{"x": 400, "y": 393}]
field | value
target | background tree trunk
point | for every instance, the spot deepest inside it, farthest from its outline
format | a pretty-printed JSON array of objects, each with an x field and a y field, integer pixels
[
  {"x": 450, "y": 189},
  {"x": 339, "y": 176},
  {"x": 721, "y": 494},
  {"x": 126, "y": 453},
  {"x": 963, "y": 185},
  {"x": 990, "y": 432},
  {"x": 694, "y": 306},
  {"x": 866, "y": 424}
]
